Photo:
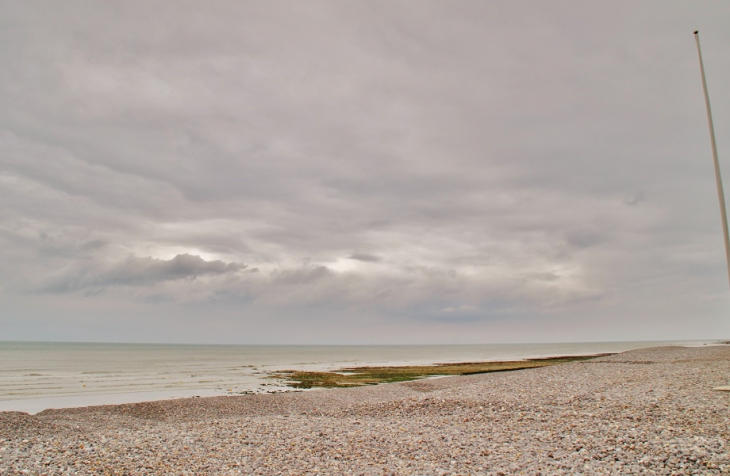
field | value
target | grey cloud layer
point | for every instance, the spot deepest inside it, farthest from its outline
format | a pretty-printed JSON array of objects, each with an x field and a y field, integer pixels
[
  {"x": 413, "y": 159},
  {"x": 141, "y": 272}
]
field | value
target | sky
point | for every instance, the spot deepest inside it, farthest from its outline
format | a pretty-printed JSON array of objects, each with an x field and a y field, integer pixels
[{"x": 361, "y": 172}]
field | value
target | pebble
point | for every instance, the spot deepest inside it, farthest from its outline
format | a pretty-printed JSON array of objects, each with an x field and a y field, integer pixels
[{"x": 649, "y": 411}]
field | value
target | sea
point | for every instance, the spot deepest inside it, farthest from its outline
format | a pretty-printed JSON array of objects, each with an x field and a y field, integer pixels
[{"x": 35, "y": 376}]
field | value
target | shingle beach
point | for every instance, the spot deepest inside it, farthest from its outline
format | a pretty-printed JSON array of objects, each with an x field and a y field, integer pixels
[{"x": 649, "y": 411}]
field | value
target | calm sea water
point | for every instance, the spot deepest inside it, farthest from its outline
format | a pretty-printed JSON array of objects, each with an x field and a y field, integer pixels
[{"x": 39, "y": 375}]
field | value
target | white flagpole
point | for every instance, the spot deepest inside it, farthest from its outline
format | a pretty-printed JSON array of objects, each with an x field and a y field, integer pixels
[{"x": 720, "y": 192}]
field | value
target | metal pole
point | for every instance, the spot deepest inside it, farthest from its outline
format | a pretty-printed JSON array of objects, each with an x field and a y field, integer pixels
[{"x": 720, "y": 192}]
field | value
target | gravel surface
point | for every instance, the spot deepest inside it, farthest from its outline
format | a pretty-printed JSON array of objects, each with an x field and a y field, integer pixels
[{"x": 650, "y": 411}]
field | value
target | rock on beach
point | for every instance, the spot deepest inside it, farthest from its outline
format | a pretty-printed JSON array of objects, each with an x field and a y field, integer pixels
[{"x": 649, "y": 411}]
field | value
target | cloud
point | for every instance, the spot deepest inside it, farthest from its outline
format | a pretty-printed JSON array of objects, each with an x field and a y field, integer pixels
[
  {"x": 459, "y": 309},
  {"x": 363, "y": 159},
  {"x": 635, "y": 199},
  {"x": 135, "y": 271},
  {"x": 365, "y": 257}
]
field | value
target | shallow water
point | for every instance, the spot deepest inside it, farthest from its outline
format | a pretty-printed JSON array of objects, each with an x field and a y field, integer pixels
[{"x": 39, "y": 375}]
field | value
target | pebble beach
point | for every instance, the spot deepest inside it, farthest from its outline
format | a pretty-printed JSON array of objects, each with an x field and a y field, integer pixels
[{"x": 648, "y": 411}]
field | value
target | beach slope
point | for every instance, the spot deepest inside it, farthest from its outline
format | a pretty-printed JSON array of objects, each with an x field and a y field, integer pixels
[{"x": 649, "y": 411}]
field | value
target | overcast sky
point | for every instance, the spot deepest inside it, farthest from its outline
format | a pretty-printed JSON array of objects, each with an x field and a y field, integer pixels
[{"x": 361, "y": 171}]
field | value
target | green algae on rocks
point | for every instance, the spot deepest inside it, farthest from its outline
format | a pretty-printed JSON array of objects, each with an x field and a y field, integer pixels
[{"x": 357, "y": 376}]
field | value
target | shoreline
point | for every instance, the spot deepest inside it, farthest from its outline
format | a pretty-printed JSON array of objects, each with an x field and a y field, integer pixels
[
  {"x": 38, "y": 376},
  {"x": 286, "y": 381},
  {"x": 262, "y": 383},
  {"x": 643, "y": 411},
  {"x": 378, "y": 375}
]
